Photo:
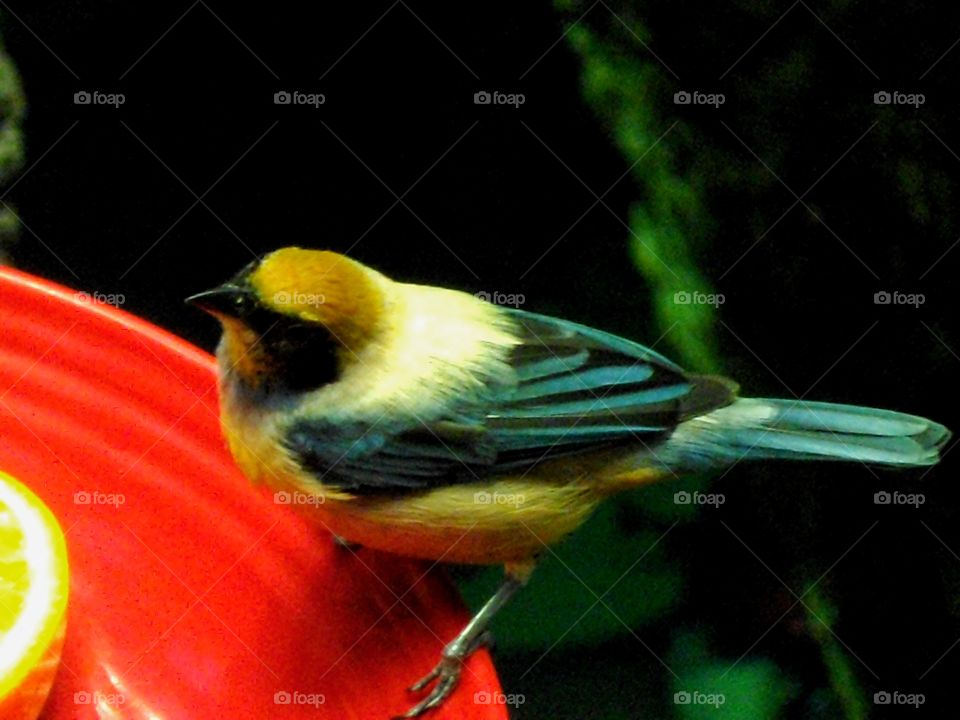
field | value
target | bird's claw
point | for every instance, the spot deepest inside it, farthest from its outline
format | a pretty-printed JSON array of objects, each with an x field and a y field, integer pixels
[
  {"x": 426, "y": 679},
  {"x": 447, "y": 674}
]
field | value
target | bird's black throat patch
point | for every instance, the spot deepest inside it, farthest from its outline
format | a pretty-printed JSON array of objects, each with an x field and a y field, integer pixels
[{"x": 300, "y": 356}]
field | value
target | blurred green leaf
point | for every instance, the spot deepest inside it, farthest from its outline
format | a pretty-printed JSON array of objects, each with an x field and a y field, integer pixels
[
  {"x": 12, "y": 110},
  {"x": 752, "y": 689},
  {"x": 671, "y": 223}
]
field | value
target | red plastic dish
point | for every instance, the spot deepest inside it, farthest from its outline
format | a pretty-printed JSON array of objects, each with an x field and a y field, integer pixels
[{"x": 194, "y": 595}]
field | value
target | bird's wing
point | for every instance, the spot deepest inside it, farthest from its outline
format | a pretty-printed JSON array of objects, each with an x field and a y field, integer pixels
[{"x": 577, "y": 389}]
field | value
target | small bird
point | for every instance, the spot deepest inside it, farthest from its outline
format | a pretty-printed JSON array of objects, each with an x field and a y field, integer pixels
[{"x": 410, "y": 412}]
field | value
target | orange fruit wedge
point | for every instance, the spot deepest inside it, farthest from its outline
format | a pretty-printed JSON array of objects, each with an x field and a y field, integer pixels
[{"x": 33, "y": 600}]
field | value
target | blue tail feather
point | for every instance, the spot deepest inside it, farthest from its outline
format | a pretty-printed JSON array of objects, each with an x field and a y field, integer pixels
[{"x": 771, "y": 429}]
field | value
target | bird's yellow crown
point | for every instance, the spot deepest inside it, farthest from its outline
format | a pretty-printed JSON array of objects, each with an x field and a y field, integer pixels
[{"x": 324, "y": 287}]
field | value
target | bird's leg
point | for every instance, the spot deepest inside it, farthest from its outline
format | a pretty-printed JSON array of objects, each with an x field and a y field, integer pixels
[{"x": 473, "y": 636}]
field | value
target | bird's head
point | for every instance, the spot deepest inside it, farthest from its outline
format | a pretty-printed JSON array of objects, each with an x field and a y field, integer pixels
[{"x": 295, "y": 318}]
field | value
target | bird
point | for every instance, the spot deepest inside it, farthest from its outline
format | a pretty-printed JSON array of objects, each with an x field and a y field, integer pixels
[{"x": 430, "y": 423}]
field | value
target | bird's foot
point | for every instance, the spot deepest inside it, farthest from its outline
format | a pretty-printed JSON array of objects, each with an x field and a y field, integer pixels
[{"x": 445, "y": 676}]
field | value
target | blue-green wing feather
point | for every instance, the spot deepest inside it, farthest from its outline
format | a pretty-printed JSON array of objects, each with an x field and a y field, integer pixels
[{"x": 576, "y": 389}]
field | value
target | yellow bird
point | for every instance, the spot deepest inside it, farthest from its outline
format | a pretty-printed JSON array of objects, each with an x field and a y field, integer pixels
[{"x": 429, "y": 423}]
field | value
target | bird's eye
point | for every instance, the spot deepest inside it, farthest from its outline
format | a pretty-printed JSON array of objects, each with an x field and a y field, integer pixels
[{"x": 242, "y": 304}]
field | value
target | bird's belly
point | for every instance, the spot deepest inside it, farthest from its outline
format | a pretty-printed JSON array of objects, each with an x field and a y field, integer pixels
[{"x": 499, "y": 521}]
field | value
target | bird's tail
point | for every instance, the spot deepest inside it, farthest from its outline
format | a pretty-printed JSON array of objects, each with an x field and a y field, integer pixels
[{"x": 761, "y": 429}]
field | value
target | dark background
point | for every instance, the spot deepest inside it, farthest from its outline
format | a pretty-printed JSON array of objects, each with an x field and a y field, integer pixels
[{"x": 496, "y": 198}]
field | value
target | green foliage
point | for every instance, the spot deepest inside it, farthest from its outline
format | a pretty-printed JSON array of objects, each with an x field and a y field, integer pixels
[
  {"x": 722, "y": 689},
  {"x": 12, "y": 110},
  {"x": 820, "y": 619},
  {"x": 670, "y": 225}
]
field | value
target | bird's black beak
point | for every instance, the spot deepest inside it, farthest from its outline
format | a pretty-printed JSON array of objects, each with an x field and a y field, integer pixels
[{"x": 227, "y": 299}]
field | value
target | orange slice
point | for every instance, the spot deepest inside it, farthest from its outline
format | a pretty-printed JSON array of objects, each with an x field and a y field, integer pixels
[{"x": 33, "y": 600}]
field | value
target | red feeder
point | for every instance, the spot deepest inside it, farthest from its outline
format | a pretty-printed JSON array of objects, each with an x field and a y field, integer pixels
[{"x": 193, "y": 594}]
